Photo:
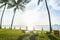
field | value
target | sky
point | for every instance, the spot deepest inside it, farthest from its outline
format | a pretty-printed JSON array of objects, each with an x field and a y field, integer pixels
[{"x": 33, "y": 14}]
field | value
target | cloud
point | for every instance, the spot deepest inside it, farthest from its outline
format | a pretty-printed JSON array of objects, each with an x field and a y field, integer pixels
[
  {"x": 33, "y": 13},
  {"x": 30, "y": 16},
  {"x": 33, "y": 4},
  {"x": 54, "y": 4}
]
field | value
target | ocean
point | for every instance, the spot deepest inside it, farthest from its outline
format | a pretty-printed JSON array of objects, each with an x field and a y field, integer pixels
[{"x": 37, "y": 27}]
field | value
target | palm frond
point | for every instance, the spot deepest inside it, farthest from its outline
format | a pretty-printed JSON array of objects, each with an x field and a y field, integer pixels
[
  {"x": 1, "y": 2},
  {"x": 39, "y": 1},
  {"x": 12, "y": 2},
  {"x": 18, "y": 1},
  {"x": 2, "y": 5},
  {"x": 9, "y": 3},
  {"x": 10, "y": 6},
  {"x": 27, "y": 1},
  {"x": 22, "y": 8},
  {"x": 21, "y": 5},
  {"x": 5, "y": 0},
  {"x": 18, "y": 4}
]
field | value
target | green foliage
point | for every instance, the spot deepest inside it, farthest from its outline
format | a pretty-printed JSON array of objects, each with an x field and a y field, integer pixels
[
  {"x": 2, "y": 5},
  {"x": 26, "y": 38},
  {"x": 7, "y": 34},
  {"x": 19, "y": 4},
  {"x": 26, "y": 1},
  {"x": 3, "y": 1}
]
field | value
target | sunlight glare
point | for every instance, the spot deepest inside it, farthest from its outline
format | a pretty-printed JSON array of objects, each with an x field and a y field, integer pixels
[{"x": 29, "y": 18}]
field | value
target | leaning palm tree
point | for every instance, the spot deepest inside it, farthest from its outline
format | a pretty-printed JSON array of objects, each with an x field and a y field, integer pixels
[
  {"x": 19, "y": 4},
  {"x": 4, "y": 3},
  {"x": 48, "y": 16}
]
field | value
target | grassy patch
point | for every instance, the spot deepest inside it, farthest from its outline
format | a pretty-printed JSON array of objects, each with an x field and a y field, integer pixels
[{"x": 7, "y": 34}]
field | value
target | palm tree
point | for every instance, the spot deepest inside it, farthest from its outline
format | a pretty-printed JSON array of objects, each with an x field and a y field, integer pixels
[
  {"x": 4, "y": 3},
  {"x": 48, "y": 16},
  {"x": 19, "y": 4}
]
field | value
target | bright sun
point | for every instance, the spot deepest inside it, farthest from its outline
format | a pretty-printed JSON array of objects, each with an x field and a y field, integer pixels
[{"x": 29, "y": 18}]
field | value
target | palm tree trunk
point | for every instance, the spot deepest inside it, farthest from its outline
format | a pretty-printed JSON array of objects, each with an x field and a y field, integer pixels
[
  {"x": 2, "y": 16},
  {"x": 13, "y": 19},
  {"x": 26, "y": 28},
  {"x": 48, "y": 16},
  {"x": 38, "y": 2}
]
